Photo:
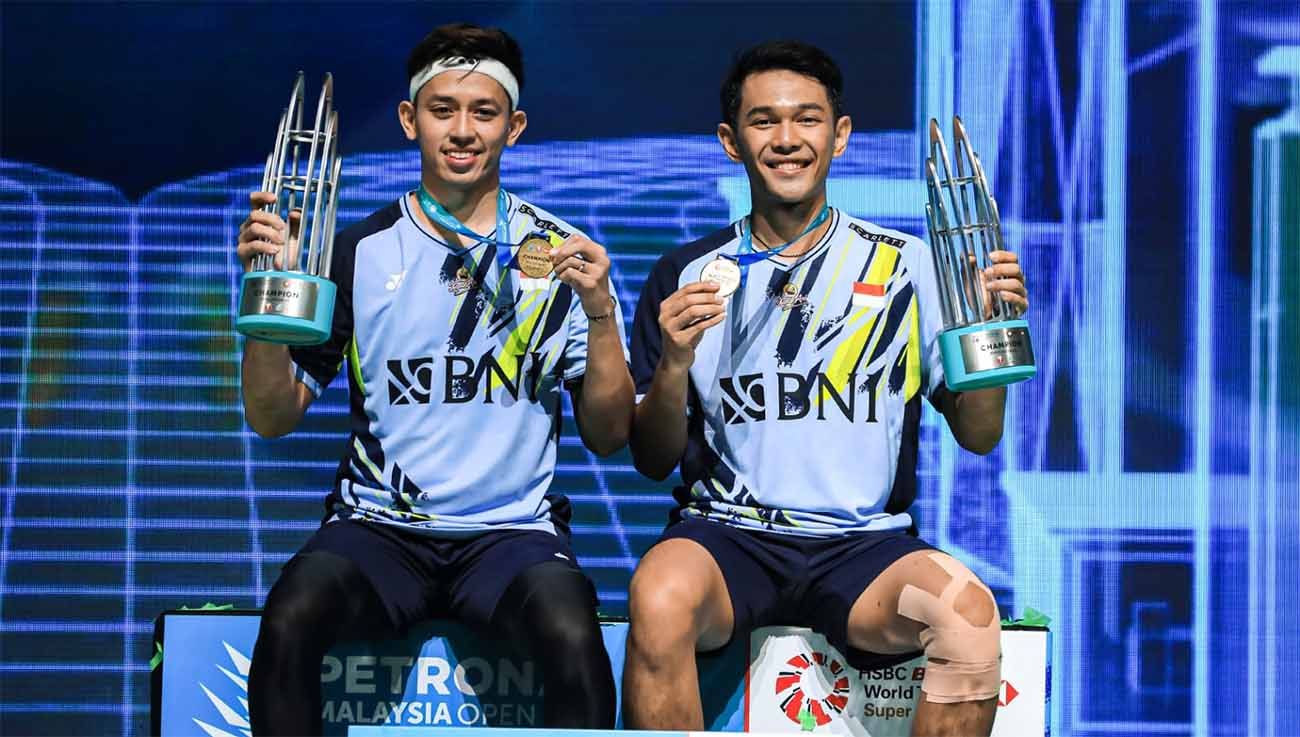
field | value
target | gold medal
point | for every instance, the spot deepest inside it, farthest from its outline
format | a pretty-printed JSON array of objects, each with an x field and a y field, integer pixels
[{"x": 535, "y": 257}]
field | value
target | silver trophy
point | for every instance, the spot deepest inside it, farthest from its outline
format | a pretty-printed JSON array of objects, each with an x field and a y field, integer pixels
[
  {"x": 984, "y": 342},
  {"x": 293, "y": 302}
]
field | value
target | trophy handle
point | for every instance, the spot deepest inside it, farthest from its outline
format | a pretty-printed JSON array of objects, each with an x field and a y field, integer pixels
[
  {"x": 985, "y": 222},
  {"x": 945, "y": 297},
  {"x": 319, "y": 145},
  {"x": 952, "y": 255},
  {"x": 968, "y": 263},
  {"x": 321, "y": 181},
  {"x": 327, "y": 253}
]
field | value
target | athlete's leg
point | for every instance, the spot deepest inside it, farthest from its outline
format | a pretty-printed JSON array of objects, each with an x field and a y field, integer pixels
[
  {"x": 549, "y": 612},
  {"x": 351, "y": 580},
  {"x": 677, "y": 603},
  {"x": 319, "y": 596},
  {"x": 930, "y": 601},
  {"x": 526, "y": 585}
]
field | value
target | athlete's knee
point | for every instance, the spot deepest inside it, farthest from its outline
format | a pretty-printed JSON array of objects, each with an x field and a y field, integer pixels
[
  {"x": 550, "y": 609},
  {"x": 573, "y": 655},
  {"x": 665, "y": 604},
  {"x": 976, "y": 605},
  {"x": 659, "y": 598},
  {"x": 297, "y": 609},
  {"x": 961, "y": 637},
  {"x": 570, "y": 631}
]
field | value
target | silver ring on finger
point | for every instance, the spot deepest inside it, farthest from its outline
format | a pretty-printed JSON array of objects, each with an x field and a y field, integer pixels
[{"x": 582, "y": 266}]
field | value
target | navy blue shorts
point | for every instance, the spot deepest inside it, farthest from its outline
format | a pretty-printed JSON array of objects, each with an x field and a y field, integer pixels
[
  {"x": 418, "y": 577},
  {"x": 780, "y": 579}
]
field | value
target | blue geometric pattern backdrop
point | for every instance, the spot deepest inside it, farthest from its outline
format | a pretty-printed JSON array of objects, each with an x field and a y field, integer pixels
[{"x": 1145, "y": 157}]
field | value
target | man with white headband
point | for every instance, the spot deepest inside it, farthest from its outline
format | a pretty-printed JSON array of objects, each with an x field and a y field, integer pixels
[{"x": 462, "y": 312}]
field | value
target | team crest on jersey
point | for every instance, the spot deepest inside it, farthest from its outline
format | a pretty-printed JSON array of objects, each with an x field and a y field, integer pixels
[
  {"x": 789, "y": 298},
  {"x": 461, "y": 283}
]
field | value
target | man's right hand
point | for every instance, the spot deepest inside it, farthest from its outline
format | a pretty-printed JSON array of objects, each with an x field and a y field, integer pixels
[
  {"x": 264, "y": 233},
  {"x": 684, "y": 317}
]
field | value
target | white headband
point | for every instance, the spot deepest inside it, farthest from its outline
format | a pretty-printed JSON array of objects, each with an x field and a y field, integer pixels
[{"x": 491, "y": 67}]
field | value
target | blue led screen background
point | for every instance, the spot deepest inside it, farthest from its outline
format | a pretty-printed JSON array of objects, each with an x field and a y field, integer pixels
[{"x": 1145, "y": 157}]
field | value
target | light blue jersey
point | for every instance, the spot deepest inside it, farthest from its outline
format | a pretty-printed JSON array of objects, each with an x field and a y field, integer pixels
[
  {"x": 455, "y": 369},
  {"x": 805, "y": 402}
]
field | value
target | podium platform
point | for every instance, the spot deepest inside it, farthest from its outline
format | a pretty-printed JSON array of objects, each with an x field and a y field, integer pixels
[
  {"x": 444, "y": 680},
  {"x": 497, "y": 732},
  {"x": 442, "y": 675}
]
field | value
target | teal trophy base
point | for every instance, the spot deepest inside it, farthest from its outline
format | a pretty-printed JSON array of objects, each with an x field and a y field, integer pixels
[
  {"x": 987, "y": 355},
  {"x": 286, "y": 307}
]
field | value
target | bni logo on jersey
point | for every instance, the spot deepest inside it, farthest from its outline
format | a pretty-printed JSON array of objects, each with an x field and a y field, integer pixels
[{"x": 230, "y": 717}]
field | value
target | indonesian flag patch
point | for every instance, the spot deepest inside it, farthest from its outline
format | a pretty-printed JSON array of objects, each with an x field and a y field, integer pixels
[{"x": 871, "y": 296}]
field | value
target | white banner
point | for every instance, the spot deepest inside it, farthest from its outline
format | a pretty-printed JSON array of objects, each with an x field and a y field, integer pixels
[{"x": 798, "y": 683}]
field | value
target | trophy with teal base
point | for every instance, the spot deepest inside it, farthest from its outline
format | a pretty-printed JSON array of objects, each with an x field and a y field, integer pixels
[
  {"x": 289, "y": 298},
  {"x": 985, "y": 343}
]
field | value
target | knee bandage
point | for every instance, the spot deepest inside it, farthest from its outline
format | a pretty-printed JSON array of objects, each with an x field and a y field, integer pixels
[{"x": 964, "y": 658}]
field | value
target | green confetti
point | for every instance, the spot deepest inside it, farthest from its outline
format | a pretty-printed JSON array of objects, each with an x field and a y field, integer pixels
[
  {"x": 156, "y": 660},
  {"x": 806, "y": 721},
  {"x": 1031, "y": 618}
]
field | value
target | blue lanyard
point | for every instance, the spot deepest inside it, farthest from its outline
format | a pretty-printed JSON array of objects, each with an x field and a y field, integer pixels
[
  {"x": 746, "y": 254},
  {"x": 438, "y": 214}
]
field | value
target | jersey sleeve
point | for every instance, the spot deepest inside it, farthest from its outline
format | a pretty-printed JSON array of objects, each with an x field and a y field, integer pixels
[
  {"x": 317, "y": 365},
  {"x": 647, "y": 340}
]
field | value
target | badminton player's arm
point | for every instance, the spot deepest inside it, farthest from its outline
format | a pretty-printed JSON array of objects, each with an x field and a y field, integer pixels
[{"x": 274, "y": 399}]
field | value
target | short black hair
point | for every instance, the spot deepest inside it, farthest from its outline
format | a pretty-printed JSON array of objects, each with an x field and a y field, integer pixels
[
  {"x": 796, "y": 56},
  {"x": 471, "y": 42}
]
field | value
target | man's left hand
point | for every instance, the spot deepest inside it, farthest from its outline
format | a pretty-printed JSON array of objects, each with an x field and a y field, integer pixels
[
  {"x": 583, "y": 264},
  {"x": 1004, "y": 278}
]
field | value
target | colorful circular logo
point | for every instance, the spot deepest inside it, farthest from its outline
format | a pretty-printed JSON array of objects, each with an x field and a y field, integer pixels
[{"x": 805, "y": 693}]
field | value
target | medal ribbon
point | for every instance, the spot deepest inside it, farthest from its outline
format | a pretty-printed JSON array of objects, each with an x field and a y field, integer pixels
[
  {"x": 439, "y": 214},
  {"x": 746, "y": 254}
]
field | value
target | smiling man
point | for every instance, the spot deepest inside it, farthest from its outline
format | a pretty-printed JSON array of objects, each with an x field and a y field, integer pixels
[
  {"x": 462, "y": 311},
  {"x": 782, "y": 362}
]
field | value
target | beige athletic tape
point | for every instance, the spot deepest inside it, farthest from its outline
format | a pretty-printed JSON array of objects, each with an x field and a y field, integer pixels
[{"x": 968, "y": 666}]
